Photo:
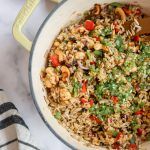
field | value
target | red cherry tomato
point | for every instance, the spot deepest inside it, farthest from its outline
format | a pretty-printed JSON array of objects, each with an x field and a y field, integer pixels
[
  {"x": 115, "y": 99},
  {"x": 89, "y": 25},
  {"x": 54, "y": 60}
]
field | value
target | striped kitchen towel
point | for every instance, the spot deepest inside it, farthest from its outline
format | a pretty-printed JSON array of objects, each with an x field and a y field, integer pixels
[{"x": 14, "y": 133}]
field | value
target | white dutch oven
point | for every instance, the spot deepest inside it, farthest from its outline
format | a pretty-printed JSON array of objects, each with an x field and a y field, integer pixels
[{"x": 65, "y": 12}]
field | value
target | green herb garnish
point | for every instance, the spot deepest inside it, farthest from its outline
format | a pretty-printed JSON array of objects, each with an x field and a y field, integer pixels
[
  {"x": 102, "y": 111},
  {"x": 106, "y": 32},
  {"x": 119, "y": 43},
  {"x": 57, "y": 115},
  {"x": 114, "y": 133},
  {"x": 98, "y": 53},
  {"x": 76, "y": 88}
]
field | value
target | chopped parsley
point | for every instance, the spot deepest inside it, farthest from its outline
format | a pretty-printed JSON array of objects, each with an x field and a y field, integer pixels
[
  {"x": 57, "y": 115},
  {"x": 119, "y": 43},
  {"x": 76, "y": 88},
  {"x": 102, "y": 111}
]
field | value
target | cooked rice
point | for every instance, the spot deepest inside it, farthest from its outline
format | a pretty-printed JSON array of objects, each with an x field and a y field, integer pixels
[{"x": 97, "y": 80}]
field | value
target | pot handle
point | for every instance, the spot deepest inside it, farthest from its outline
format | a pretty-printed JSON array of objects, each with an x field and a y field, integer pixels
[{"x": 20, "y": 21}]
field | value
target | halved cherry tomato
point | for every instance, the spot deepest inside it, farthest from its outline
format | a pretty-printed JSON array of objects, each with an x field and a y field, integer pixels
[
  {"x": 89, "y": 25},
  {"x": 54, "y": 60},
  {"x": 132, "y": 147},
  {"x": 140, "y": 112},
  {"x": 118, "y": 136},
  {"x": 136, "y": 38},
  {"x": 115, "y": 99},
  {"x": 139, "y": 131},
  {"x": 84, "y": 86},
  {"x": 91, "y": 102},
  {"x": 94, "y": 118},
  {"x": 83, "y": 100}
]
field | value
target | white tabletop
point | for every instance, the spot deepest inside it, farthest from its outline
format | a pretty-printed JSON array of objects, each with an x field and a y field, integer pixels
[{"x": 14, "y": 69}]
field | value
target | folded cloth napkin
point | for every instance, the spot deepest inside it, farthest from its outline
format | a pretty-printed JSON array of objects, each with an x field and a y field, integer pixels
[{"x": 14, "y": 133}]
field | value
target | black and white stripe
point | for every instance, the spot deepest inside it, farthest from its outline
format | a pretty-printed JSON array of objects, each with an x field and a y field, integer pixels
[{"x": 14, "y": 133}]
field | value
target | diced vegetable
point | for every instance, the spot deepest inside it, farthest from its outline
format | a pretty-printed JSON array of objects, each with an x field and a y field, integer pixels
[
  {"x": 127, "y": 11},
  {"x": 83, "y": 100},
  {"x": 91, "y": 102},
  {"x": 115, "y": 99},
  {"x": 84, "y": 86},
  {"x": 76, "y": 88},
  {"x": 140, "y": 112},
  {"x": 136, "y": 38},
  {"x": 98, "y": 53},
  {"x": 89, "y": 25},
  {"x": 57, "y": 115},
  {"x": 119, "y": 43},
  {"x": 106, "y": 32},
  {"x": 97, "y": 38},
  {"x": 116, "y": 146},
  {"x": 132, "y": 147},
  {"x": 118, "y": 136},
  {"x": 114, "y": 133},
  {"x": 94, "y": 118},
  {"x": 99, "y": 90},
  {"x": 102, "y": 112},
  {"x": 54, "y": 60},
  {"x": 139, "y": 131}
]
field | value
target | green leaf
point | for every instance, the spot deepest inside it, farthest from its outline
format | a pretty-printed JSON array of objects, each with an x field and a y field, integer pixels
[
  {"x": 57, "y": 115},
  {"x": 116, "y": 4}
]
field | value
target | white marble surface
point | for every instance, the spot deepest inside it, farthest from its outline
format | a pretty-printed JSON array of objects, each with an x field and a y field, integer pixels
[{"x": 14, "y": 69}]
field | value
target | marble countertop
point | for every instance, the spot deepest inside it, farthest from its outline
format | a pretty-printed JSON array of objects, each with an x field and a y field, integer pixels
[{"x": 14, "y": 69}]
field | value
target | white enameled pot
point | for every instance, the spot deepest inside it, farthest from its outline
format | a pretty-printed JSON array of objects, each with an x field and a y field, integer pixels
[{"x": 65, "y": 12}]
